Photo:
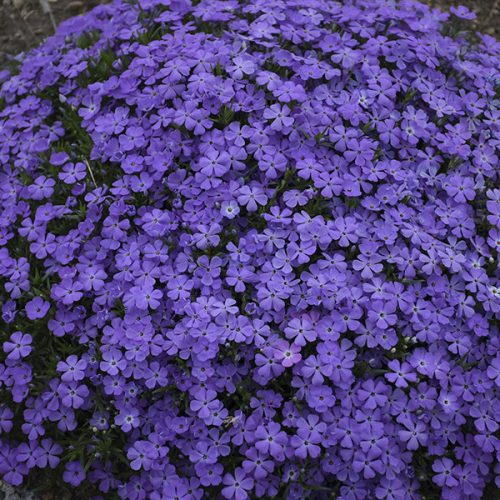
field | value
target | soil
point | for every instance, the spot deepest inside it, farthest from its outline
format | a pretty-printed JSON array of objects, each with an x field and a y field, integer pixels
[
  {"x": 488, "y": 13},
  {"x": 25, "y": 23}
]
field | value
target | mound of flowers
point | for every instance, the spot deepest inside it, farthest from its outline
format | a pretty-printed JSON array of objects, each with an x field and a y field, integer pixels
[{"x": 250, "y": 249}]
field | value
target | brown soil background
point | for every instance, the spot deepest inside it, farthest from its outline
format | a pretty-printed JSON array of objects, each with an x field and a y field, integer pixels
[{"x": 25, "y": 23}]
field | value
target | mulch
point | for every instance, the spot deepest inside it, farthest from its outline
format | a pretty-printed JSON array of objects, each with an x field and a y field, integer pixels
[
  {"x": 488, "y": 13},
  {"x": 26, "y": 23}
]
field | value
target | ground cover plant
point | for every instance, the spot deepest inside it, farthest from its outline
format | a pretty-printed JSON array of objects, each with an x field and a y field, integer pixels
[{"x": 250, "y": 249}]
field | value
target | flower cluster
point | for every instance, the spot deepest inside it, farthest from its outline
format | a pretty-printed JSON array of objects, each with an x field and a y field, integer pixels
[{"x": 250, "y": 249}]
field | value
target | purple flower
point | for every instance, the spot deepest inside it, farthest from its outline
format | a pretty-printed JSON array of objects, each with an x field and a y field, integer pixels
[
  {"x": 271, "y": 440},
  {"x": 240, "y": 67},
  {"x": 112, "y": 361},
  {"x": 401, "y": 374},
  {"x": 19, "y": 346},
  {"x": 306, "y": 444},
  {"x": 382, "y": 314},
  {"x": 372, "y": 394},
  {"x": 67, "y": 291},
  {"x": 142, "y": 455},
  {"x": 255, "y": 247},
  {"x": 41, "y": 188},
  {"x": 74, "y": 473},
  {"x": 257, "y": 464},
  {"x": 462, "y": 12},
  {"x": 414, "y": 436},
  {"x": 288, "y": 354},
  {"x": 204, "y": 402},
  {"x": 237, "y": 485},
  {"x": 444, "y": 468},
  {"x": 301, "y": 331},
  {"x": 143, "y": 297},
  {"x": 484, "y": 421},
  {"x": 128, "y": 419},
  {"x": 6, "y": 419},
  {"x": 230, "y": 209},
  {"x": 345, "y": 231},
  {"x": 47, "y": 454},
  {"x": 37, "y": 308},
  {"x": 72, "y": 369},
  {"x": 279, "y": 115},
  {"x": 206, "y": 236},
  {"x": 73, "y": 395},
  {"x": 251, "y": 197}
]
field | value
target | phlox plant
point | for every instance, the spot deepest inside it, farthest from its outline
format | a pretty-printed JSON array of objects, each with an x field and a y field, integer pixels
[{"x": 249, "y": 249}]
